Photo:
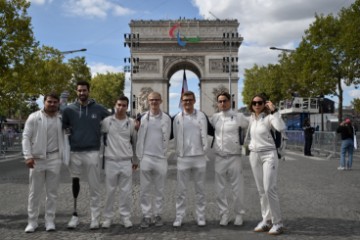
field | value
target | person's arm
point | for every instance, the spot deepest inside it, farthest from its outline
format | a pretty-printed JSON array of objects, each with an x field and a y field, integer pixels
[{"x": 26, "y": 141}]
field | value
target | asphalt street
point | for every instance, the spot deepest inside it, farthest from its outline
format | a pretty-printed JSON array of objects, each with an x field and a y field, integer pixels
[{"x": 317, "y": 201}]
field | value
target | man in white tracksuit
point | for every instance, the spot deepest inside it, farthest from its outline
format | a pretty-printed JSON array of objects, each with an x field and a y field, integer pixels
[
  {"x": 228, "y": 158},
  {"x": 190, "y": 134},
  {"x": 43, "y": 143},
  {"x": 119, "y": 140},
  {"x": 151, "y": 147}
]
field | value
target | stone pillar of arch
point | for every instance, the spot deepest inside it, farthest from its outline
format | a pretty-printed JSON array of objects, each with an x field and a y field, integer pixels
[{"x": 167, "y": 46}]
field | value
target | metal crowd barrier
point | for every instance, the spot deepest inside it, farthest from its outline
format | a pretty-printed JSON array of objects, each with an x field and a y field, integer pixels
[
  {"x": 10, "y": 143},
  {"x": 327, "y": 143}
]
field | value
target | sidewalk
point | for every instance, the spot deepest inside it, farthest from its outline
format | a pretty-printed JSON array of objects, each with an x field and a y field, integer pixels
[{"x": 317, "y": 201}]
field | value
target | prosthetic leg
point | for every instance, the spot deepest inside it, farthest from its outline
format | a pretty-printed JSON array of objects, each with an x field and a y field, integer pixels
[{"x": 75, "y": 191}]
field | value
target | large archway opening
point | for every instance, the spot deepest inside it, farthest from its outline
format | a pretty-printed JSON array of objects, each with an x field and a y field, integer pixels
[{"x": 175, "y": 89}]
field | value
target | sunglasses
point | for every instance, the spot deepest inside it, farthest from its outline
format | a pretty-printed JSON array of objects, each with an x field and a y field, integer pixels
[
  {"x": 222, "y": 101},
  {"x": 254, "y": 103}
]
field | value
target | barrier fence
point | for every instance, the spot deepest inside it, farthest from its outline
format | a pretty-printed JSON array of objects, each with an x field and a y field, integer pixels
[
  {"x": 327, "y": 143},
  {"x": 10, "y": 143}
]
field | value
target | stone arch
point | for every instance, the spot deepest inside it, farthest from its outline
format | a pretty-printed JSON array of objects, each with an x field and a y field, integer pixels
[{"x": 199, "y": 47}]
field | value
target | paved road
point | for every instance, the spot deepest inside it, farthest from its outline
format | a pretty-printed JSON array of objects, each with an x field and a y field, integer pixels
[{"x": 317, "y": 201}]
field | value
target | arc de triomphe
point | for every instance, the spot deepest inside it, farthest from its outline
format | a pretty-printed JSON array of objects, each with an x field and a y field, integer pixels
[{"x": 164, "y": 47}]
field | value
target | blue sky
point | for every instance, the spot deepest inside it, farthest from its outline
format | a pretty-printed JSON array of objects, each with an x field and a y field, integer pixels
[{"x": 99, "y": 26}]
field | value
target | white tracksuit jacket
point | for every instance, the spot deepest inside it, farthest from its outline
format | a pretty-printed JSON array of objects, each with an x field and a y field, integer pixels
[
  {"x": 226, "y": 126},
  {"x": 34, "y": 140},
  {"x": 166, "y": 131},
  {"x": 178, "y": 129}
]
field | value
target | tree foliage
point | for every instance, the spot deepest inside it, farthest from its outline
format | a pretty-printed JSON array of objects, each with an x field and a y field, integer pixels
[
  {"x": 79, "y": 72},
  {"x": 105, "y": 88}
]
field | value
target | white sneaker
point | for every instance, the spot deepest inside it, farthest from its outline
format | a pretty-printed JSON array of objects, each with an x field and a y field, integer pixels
[
  {"x": 224, "y": 220},
  {"x": 31, "y": 227},
  {"x": 49, "y": 226},
  {"x": 177, "y": 222},
  {"x": 74, "y": 221},
  {"x": 263, "y": 226},
  {"x": 127, "y": 223},
  {"x": 201, "y": 222},
  {"x": 340, "y": 168},
  {"x": 277, "y": 229},
  {"x": 238, "y": 220},
  {"x": 106, "y": 224},
  {"x": 94, "y": 224}
]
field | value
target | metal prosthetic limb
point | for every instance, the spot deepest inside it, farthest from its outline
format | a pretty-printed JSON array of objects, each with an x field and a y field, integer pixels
[{"x": 75, "y": 191}]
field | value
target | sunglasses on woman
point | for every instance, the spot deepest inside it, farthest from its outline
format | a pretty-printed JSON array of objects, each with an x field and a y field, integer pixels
[{"x": 254, "y": 103}]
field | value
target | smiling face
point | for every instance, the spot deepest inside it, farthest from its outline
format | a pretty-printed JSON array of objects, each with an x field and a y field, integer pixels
[
  {"x": 258, "y": 105},
  {"x": 188, "y": 102},
  {"x": 82, "y": 92},
  {"x": 154, "y": 100}
]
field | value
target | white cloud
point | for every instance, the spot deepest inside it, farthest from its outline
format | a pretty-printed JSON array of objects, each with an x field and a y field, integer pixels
[
  {"x": 354, "y": 93},
  {"x": 40, "y": 2},
  {"x": 103, "y": 68},
  {"x": 95, "y": 8}
]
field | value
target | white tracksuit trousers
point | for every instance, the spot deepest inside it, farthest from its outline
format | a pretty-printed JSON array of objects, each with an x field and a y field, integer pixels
[
  {"x": 45, "y": 173},
  {"x": 89, "y": 162},
  {"x": 153, "y": 172},
  {"x": 183, "y": 176},
  {"x": 264, "y": 166},
  {"x": 229, "y": 167},
  {"x": 118, "y": 174}
]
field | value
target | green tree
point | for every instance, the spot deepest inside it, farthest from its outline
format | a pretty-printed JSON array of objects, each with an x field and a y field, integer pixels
[
  {"x": 16, "y": 42},
  {"x": 356, "y": 105},
  {"x": 105, "y": 88}
]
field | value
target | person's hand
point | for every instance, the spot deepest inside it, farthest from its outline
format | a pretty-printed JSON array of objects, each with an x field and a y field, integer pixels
[
  {"x": 137, "y": 125},
  {"x": 134, "y": 167},
  {"x": 270, "y": 106},
  {"x": 30, "y": 162}
]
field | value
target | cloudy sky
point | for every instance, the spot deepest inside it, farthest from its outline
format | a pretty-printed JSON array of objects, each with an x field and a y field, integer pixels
[{"x": 99, "y": 25}]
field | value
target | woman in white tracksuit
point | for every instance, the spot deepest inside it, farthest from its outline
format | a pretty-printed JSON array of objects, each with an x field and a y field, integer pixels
[
  {"x": 43, "y": 145},
  {"x": 264, "y": 161}
]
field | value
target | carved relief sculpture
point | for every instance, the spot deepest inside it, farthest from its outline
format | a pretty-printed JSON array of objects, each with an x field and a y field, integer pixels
[{"x": 143, "y": 104}]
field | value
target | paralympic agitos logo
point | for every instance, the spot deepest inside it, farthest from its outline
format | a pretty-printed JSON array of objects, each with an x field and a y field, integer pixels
[{"x": 181, "y": 40}]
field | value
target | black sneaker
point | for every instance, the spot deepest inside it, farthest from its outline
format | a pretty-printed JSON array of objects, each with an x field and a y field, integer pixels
[{"x": 145, "y": 223}]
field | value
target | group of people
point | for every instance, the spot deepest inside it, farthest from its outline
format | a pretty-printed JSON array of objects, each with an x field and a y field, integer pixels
[{"x": 119, "y": 145}]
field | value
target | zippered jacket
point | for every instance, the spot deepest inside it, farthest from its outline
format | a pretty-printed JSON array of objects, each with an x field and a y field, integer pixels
[
  {"x": 119, "y": 144},
  {"x": 226, "y": 125},
  {"x": 260, "y": 136},
  {"x": 34, "y": 140},
  {"x": 178, "y": 130},
  {"x": 165, "y": 128}
]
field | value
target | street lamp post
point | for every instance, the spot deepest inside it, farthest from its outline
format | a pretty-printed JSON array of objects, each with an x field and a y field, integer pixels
[
  {"x": 132, "y": 40},
  {"x": 230, "y": 63},
  {"x": 282, "y": 49}
]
